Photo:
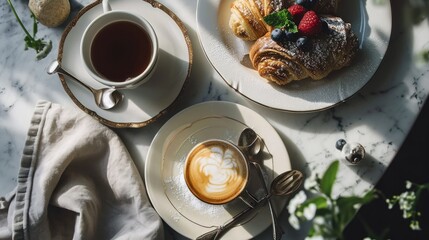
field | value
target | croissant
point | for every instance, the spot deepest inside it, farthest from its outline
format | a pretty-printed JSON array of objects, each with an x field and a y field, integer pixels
[
  {"x": 246, "y": 20},
  {"x": 284, "y": 63}
]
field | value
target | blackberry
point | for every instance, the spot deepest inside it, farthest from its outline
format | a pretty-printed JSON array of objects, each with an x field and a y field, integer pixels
[
  {"x": 291, "y": 36},
  {"x": 309, "y": 4},
  {"x": 325, "y": 27}
]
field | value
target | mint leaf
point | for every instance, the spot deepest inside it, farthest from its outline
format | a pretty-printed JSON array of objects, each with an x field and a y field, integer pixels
[
  {"x": 290, "y": 26},
  {"x": 277, "y": 19},
  {"x": 281, "y": 19}
]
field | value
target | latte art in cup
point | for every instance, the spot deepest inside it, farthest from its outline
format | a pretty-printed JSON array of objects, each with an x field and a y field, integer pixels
[{"x": 216, "y": 171}]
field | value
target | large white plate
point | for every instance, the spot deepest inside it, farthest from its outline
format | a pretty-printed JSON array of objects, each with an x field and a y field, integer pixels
[
  {"x": 164, "y": 180},
  {"x": 229, "y": 55},
  {"x": 146, "y": 103}
]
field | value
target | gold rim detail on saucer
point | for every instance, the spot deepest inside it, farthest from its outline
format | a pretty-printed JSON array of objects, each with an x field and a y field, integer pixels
[{"x": 92, "y": 113}]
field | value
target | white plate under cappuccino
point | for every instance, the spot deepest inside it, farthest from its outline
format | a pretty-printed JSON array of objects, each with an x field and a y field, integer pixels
[{"x": 164, "y": 168}]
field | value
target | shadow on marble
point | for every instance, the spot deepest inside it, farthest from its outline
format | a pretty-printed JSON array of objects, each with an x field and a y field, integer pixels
[
  {"x": 75, "y": 7},
  {"x": 369, "y": 169},
  {"x": 409, "y": 164},
  {"x": 297, "y": 159}
]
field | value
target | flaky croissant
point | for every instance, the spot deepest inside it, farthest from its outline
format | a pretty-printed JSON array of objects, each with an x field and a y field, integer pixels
[
  {"x": 285, "y": 62},
  {"x": 246, "y": 20}
]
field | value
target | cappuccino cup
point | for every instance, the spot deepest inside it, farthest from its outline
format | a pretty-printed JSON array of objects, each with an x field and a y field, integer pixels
[
  {"x": 119, "y": 49},
  {"x": 216, "y": 171}
]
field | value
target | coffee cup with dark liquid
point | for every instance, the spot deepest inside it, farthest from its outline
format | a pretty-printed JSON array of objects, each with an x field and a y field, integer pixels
[
  {"x": 216, "y": 171},
  {"x": 119, "y": 49}
]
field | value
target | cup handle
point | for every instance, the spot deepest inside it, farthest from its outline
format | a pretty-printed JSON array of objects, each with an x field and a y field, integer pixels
[{"x": 106, "y": 6}]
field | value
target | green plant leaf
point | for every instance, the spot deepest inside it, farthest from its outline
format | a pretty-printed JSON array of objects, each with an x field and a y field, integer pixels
[
  {"x": 41, "y": 47},
  {"x": 320, "y": 201},
  {"x": 347, "y": 206},
  {"x": 328, "y": 179},
  {"x": 35, "y": 28},
  {"x": 352, "y": 200}
]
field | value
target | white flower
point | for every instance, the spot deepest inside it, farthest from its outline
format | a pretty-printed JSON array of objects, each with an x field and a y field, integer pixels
[
  {"x": 319, "y": 220},
  {"x": 310, "y": 183},
  {"x": 314, "y": 238},
  {"x": 310, "y": 211},
  {"x": 408, "y": 184},
  {"x": 294, "y": 222},
  {"x": 406, "y": 200},
  {"x": 391, "y": 203},
  {"x": 298, "y": 199},
  {"x": 357, "y": 206},
  {"x": 415, "y": 225}
]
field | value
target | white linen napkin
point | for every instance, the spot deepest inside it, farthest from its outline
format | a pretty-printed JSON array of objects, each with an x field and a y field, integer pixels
[{"x": 76, "y": 181}]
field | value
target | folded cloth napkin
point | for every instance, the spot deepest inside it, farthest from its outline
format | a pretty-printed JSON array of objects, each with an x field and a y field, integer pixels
[{"x": 76, "y": 181}]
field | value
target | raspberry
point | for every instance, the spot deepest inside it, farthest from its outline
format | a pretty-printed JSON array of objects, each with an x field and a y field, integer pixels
[
  {"x": 297, "y": 12},
  {"x": 310, "y": 24}
]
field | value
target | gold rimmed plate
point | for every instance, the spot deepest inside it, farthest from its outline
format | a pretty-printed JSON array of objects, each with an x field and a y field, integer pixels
[
  {"x": 146, "y": 103},
  {"x": 229, "y": 55},
  {"x": 165, "y": 183}
]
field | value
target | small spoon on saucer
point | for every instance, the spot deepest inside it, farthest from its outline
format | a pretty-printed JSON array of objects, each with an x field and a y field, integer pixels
[
  {"x": 253, "y": 144},
  {"x": 283, "y": 185},
  {"x": 105, "y": 98},
  {"x": 250, "y": 142}
]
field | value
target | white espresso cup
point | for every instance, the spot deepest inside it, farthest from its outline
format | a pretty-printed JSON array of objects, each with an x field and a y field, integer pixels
[
  {"x": 216, "y": 171},
  {"x": 119, "y": 49}
]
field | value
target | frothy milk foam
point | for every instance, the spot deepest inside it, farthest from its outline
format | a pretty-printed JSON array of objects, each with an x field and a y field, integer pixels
[{"x": 216, "y": 172}]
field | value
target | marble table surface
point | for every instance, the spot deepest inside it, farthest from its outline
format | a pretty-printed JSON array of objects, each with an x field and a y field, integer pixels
[{"x": 379, "y": 116}]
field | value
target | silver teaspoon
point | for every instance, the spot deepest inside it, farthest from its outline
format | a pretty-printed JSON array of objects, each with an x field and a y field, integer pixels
[
  {"x": 250, "y": 142},
  {"x": 105, "y": 98},
  {"x": 253, "y": 144},
  {"x": 283, "y": 185}
]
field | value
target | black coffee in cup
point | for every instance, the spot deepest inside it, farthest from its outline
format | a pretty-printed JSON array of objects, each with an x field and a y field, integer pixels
[{"x": 120, "y": 51}]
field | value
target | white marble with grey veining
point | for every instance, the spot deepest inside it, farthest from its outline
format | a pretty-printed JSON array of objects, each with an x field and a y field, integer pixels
[{"x": 379, "y": 116}]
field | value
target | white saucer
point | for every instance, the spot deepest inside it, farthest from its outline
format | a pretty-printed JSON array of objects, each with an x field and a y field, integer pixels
[
  {"x": 164, "y": 179},
  {"x": 371, "y": 21},
  {"x": 146, "y": 103}
]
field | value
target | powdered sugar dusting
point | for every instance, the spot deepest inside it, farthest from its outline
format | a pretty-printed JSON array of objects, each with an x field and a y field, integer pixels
[{"x": 285, "y": 62}]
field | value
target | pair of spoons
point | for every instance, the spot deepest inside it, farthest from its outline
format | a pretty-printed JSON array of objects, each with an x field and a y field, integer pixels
[
  {"x": 105, "y": 98},
  {"x": 283, "y": 185}
]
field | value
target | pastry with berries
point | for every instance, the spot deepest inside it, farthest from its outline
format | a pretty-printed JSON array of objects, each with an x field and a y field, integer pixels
[
  {"x": 247, "y": 16},
  {"x": 312, "y": 48}
]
